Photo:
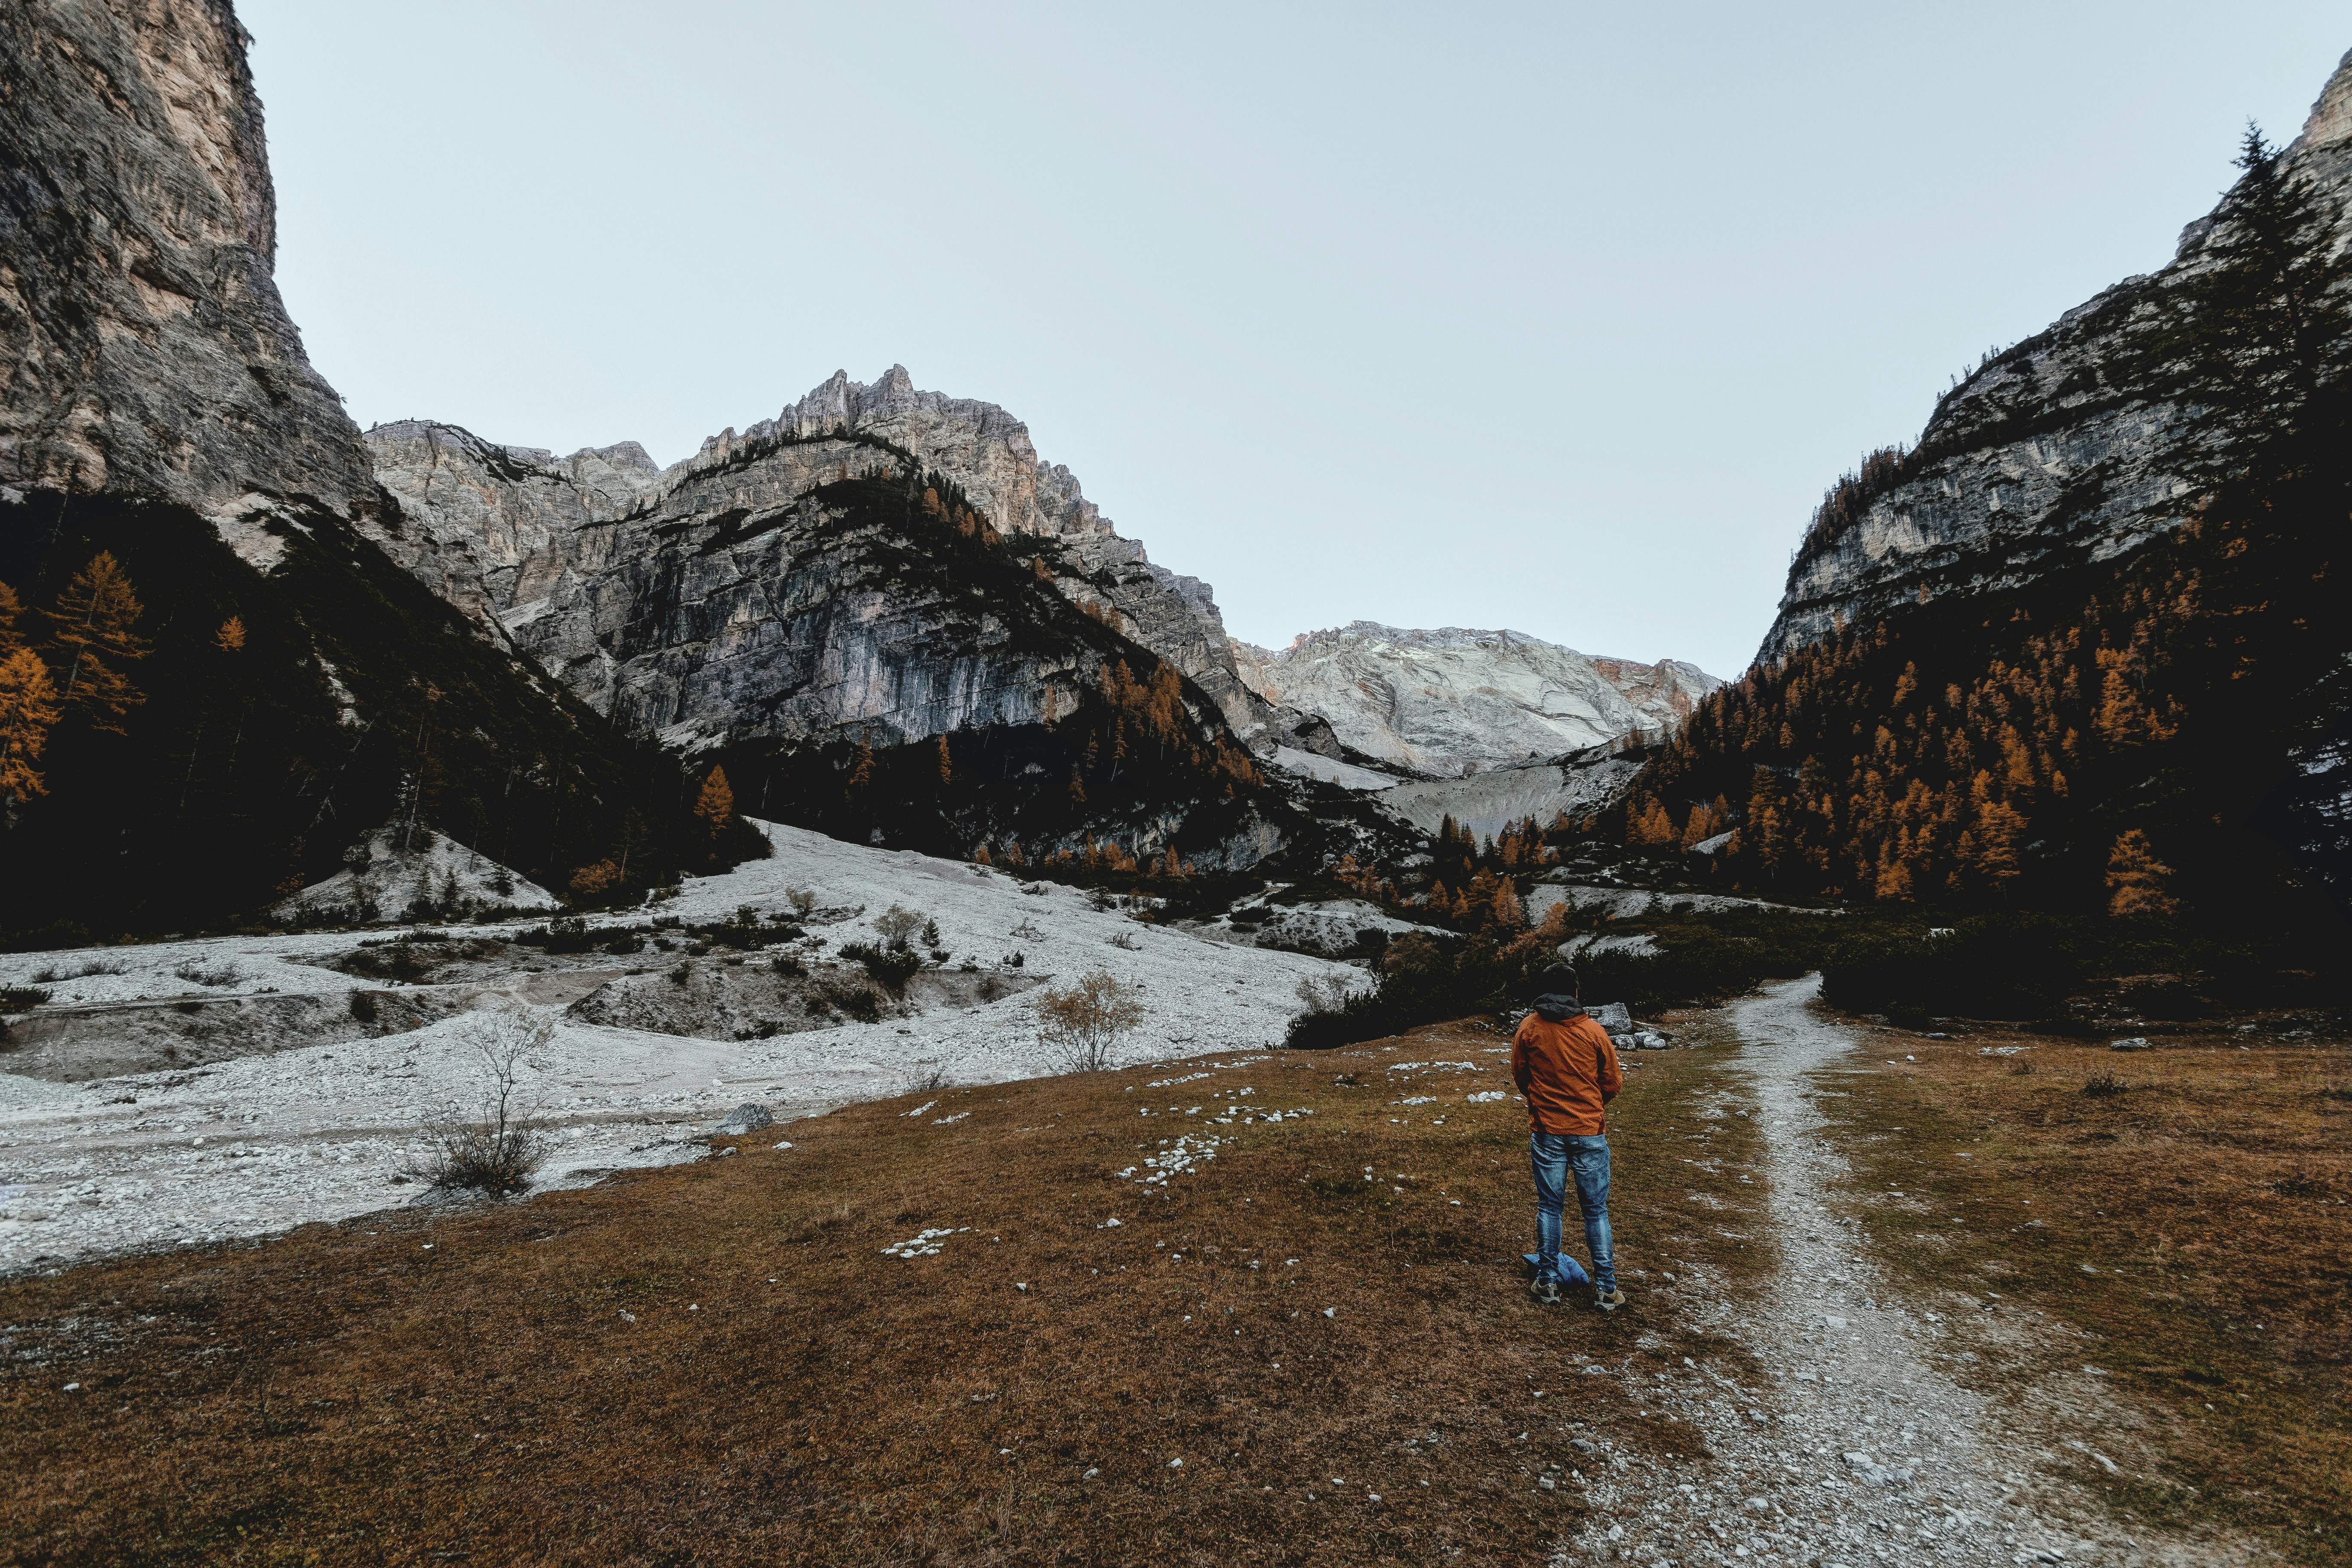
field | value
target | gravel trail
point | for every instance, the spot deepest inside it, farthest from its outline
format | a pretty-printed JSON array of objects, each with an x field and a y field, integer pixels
[{"x": 1858, "y": 1446}]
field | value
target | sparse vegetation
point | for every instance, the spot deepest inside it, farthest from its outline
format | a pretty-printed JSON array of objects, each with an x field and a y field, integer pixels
[
  {"x": 896, "y": 926},
  {"x": 1083, "y": 1023},
  {"x": 85, "y": 970},
  {"x": 21, "y": 998},
  {"x": 488, "y": 1146},
  {"x": 925, "y": 1078},
  {"x": 890, "y": 967},
  {"x": 2188, "y": 1237}
]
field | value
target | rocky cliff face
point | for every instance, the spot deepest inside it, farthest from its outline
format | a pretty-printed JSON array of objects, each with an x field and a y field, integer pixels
[
  {"x": 718, "y": 600},
  {"x": 143, "y": 348},
  {"x": 1449, "y": 702},
  {"x": 156, "y": 406},
  {"x": 2048, "y": 456}
]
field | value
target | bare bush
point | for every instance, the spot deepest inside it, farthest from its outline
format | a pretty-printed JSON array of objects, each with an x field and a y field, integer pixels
[
  {"x": 1082, "y": 1025},
  {"x": 81, "y": 971},
  {"x": 198, "y": 973},
  {"x": 897, "y": 926},
  {"x": 803, "y": 899},
  {"x": 488, "y": 1146},
  {"x": 925, "y": 1078},
  {"x": 1325, "y": 993}
]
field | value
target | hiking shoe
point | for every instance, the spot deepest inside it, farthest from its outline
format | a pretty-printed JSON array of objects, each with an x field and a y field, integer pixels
[
  {"x": 1545, "y": 1290},
  {"x": 1608, "y": 1300}
]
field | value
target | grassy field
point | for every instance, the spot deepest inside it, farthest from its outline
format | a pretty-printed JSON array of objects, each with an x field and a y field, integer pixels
[
  {"x": 1315, "y": 1347},
  {"x": 2182, "y": 1211}
]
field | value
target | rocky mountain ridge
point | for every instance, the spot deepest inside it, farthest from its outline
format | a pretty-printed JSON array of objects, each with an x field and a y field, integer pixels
[
  {"x": 568, "y": 558},
  {"x": 1452, "y": 701},
  {"x": 2049, "y": 455}
]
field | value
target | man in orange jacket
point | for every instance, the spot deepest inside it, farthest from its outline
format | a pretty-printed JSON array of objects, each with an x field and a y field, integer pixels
[{"x": 1567, "y": 1071}]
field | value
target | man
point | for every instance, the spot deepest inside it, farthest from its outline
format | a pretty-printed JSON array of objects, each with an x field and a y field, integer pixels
[{"x": 1567, "y": 1071}]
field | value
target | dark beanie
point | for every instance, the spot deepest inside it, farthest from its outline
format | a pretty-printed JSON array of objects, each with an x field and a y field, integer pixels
[{"x": 1559, "y": 980}]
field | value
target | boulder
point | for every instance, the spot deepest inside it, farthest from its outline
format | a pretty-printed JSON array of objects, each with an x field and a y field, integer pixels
[
  {"x": 1614, "y": 1017},
  {"x": 741, "y": 1120}
]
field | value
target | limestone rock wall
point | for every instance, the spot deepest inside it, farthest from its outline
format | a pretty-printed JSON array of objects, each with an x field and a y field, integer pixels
[
  {"x": 2048, "y": 456},
  {"x": 143, "y": 347}
]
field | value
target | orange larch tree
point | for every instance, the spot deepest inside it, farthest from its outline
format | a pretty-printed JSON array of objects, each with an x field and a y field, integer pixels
[{"x": 90, "y": 632}]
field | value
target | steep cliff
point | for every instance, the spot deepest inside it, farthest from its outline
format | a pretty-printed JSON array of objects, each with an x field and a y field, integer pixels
[
  {"x": 572, "y": 558},
  {"x": 143, "y": 348},
  {"x": 283, "y": 686},
  {"x": 2059, "y": 452},
  {"x": 1448, "y": 702}
]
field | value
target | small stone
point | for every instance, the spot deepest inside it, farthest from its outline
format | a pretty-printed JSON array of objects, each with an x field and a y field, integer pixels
[{"x": 2135, "y": 1043}]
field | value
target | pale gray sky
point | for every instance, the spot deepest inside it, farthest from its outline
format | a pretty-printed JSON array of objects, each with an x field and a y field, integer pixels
[{"x": 1557, "y": 318}]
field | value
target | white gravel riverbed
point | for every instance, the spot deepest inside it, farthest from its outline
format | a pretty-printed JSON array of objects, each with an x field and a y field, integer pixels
[{"x": 260, "y": 1143}]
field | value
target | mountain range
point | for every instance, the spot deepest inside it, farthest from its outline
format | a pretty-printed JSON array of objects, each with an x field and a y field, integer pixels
[{"x": 880, "y": 612}]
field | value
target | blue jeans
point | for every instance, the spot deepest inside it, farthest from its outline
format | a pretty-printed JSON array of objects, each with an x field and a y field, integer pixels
[{"x": 1554, "y": 1155}]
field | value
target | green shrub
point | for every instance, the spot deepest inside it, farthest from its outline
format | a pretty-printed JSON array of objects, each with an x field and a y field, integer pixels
[
  {"x": 21, "y": 998},
  {"x": 1988, "y": 966},
  {"x": 891, "y": 968}
]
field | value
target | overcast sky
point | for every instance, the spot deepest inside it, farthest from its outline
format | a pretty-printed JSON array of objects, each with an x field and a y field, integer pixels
[{"x": 1555, "y": 318}]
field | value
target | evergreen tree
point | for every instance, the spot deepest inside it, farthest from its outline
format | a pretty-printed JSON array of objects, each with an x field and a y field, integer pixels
[
  {"x": 2136, "y": 879},
  {"x": 2265, "y": 333},
  {"x": 12, "y": 609},
  {"x": 91, "y": 633},
  {"x": 715, "y": 805},
  {"x": 1505, "y": 909},
  {"x": 28, "y": 708}
]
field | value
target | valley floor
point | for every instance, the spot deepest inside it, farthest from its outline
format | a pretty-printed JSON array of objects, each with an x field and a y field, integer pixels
[
  {"x": 232, "y": 1132},
  {"x": 1253, "y": 1307}
]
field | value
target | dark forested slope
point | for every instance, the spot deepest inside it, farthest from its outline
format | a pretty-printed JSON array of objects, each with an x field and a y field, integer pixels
[{"x": 2118, "y": 734}]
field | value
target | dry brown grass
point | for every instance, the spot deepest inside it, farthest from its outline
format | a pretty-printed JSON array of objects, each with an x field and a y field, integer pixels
[
  {"x": 2192, "y": 1230},
  {"x": 469, "y": 1386}
]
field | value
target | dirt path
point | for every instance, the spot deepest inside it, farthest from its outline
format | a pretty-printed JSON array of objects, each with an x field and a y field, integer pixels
[{"x": 1856, "y": 1447}]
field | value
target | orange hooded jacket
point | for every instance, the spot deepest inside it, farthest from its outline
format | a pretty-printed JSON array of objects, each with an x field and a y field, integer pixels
[{"x": 1567, "y": 1072}]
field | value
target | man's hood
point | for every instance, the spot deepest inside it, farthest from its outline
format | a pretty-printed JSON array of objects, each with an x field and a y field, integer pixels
[{"x": 1553, "y": 1008}]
